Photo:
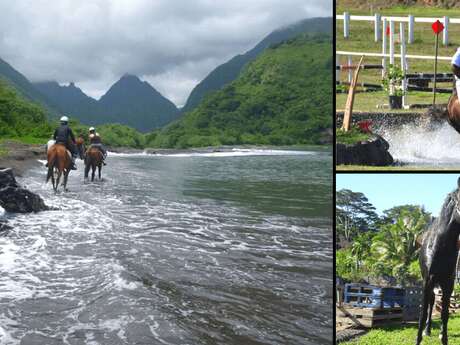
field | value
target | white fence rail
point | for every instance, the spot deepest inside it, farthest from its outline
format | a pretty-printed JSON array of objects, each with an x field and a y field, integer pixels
[
  {"x": 408, "y": 56},
  {"x": 378, "y": 19}
]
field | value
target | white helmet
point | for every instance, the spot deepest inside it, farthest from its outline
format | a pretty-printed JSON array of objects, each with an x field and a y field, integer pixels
[
  {"x": 92, "y": 129},
  {"x": 64, "y": 119}
]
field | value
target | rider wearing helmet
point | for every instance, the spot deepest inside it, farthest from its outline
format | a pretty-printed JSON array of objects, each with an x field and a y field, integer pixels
[
  {"x": 64, "y": 135},
  {"x": 95, "y": 141}
]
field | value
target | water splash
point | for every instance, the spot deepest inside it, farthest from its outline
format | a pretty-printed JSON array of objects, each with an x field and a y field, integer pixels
[
  {"x": 415, "y": 143},
  {"x": 233, "y": 153}
]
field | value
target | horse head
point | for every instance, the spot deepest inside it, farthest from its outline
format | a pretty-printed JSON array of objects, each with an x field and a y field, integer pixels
[
  {"x": 438, "y": 262},
  {"x": 81, "y": 147}
]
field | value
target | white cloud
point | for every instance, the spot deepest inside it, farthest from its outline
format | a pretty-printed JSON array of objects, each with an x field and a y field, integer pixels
[{"x": 172, "y": 44}]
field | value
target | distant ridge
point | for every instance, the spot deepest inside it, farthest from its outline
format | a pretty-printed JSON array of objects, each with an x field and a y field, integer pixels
[{"x": 229, "y": 71}]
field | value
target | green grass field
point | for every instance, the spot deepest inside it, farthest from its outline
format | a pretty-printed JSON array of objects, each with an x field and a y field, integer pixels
[
  {"x": 362, "y": 40},
  {"x": 368, "y": 101},
  {"x": 406, "y": 334}
]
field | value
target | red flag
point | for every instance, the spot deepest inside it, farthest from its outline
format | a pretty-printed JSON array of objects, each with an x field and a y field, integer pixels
[
  {"x": 437, "y": 27},
  {"x": 388, "y": 31}
]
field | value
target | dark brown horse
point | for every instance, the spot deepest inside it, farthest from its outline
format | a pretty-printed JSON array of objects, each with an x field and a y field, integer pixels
[
  {"x": 438, "y": 262},
  {"x": 453, "y": 111},
  {"x": 93, "y": 159}
]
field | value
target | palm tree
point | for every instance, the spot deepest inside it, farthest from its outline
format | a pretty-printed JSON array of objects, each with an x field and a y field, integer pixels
[{"x": 395, "y": 247}]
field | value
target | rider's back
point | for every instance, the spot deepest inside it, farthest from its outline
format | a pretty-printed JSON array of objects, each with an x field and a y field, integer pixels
[{"x": 62, "y": 134}]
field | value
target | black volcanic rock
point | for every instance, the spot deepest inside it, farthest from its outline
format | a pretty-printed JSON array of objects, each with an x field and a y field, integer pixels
[
  {"x": 14, "y": 198},
  {"x": 370, "y": 152}
]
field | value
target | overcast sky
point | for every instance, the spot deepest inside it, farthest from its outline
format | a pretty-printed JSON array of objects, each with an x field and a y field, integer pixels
[{"x": 173, "y": 44}]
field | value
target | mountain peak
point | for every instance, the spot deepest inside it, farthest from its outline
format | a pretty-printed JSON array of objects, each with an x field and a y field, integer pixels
[{"x": 130, "y": 77}]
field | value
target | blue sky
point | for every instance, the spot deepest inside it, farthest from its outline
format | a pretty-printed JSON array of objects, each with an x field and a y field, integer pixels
[{"x": 387, "y": 190}]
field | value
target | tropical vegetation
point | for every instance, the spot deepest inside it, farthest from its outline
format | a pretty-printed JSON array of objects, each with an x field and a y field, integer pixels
[
  {"x": 373, "y": 247},
  {"x": 281, "y": 98}
]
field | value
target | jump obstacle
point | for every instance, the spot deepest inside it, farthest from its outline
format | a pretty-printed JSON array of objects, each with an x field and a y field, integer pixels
[{"x": 410, "y": 81}]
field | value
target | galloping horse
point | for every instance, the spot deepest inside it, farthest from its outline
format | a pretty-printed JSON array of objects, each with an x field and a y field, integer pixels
[
  {"x": 453, "y": 111},
  {"x": 93, "y": 159},
  {"x": 438, "y": 262},
  {"x": 59, "y": 163}
]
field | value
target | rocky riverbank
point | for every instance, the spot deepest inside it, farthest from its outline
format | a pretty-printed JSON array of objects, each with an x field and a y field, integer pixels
[{"x": 20, "y": 157}]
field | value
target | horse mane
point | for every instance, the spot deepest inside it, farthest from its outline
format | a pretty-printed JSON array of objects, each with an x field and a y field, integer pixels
[{"x": 447, "y": 210}]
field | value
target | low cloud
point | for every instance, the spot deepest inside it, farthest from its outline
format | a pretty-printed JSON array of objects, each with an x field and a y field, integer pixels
[{"x": 171, "y": 44}]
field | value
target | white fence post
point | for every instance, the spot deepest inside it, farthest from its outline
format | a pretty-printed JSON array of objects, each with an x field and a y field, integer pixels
[
  {"x": 403, "y": 62},
  {"x": 392, "y": 42},
  {"x": 445, "y": 33},
  {"x": 346, "y": 24},
  {"x": 384, "y": 47},
  {"x": 377, "y": 27},
  {"x": 411, "y": 29}
]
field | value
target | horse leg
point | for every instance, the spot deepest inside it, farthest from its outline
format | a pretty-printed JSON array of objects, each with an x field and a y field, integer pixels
[
  {"x": 58, "y": 179},
  {"x": 446, "y": 293},
  {"x": 427, "y": 290},
  {"x": 93, "y": 172},
  {"x": 87, "y": 166},
  {"x": 99, "y": 170},
  {"x": 427, "y": 331},
  {"x": 66, "y": 176}
]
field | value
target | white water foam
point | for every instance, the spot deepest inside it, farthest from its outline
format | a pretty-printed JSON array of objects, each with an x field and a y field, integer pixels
[
  {"x": 413, "y": 143},
  {"x": 233, "y": 153}
]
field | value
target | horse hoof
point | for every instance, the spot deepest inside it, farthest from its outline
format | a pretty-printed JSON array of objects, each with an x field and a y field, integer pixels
[{"x": 426, "y": 333}]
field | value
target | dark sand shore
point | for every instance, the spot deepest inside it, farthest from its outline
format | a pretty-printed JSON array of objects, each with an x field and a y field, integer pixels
[{"x": 20, "y": 157}]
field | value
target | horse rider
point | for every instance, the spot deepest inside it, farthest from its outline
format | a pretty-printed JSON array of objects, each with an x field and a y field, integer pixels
[
  {"x": 456, "y": 69},
  {"x": 95, "y": 141},
  {"x": 64, "y": 135}
]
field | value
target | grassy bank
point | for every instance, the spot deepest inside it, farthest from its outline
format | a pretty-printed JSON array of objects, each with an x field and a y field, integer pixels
[
  {"x": 362, "y": 40},
  {"x": 368, "y": 101},
  {"x": 406, "y": 334},
  {"x": 351, "y": 137}
]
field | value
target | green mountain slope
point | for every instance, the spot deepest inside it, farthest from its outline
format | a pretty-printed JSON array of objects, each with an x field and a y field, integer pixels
[
  {"x": 136, "y": 103},
  {"x": 19, "y": 117},
  {"x": 70, "y": 99},
  {"x": 284, "y": 97},
  {"x": 25, "y": 87},
  {"x": 230, "y": 70},
  {"x": 129, "y": 101}
]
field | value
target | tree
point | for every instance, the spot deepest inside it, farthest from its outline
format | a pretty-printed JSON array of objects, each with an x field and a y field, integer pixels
[
  {"x": 394, "y": 248},
  {"x": 354, "y": 214},
  {"x": 391, "y": 215}
]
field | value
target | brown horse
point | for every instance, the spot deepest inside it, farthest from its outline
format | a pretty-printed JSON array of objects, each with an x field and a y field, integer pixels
[
  {"x": 453, "y": 111},
  {"x": 59, "y": 162},
  {"x": 93, "y": 159}
]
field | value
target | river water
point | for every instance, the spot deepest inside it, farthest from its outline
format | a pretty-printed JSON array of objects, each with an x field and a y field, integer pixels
[{"x": 220, "y": 248}]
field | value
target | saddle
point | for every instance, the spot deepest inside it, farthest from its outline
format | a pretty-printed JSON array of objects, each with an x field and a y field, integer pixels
[{"x": 53, "y": 142}]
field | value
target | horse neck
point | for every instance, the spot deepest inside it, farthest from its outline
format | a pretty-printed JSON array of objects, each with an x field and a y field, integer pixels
[{"x": 448, "y": 234}]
